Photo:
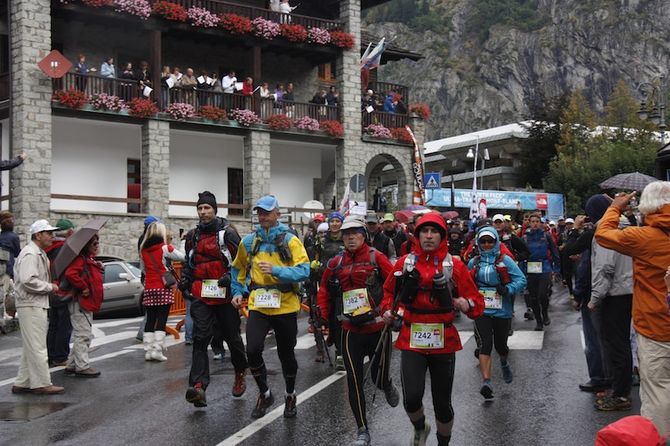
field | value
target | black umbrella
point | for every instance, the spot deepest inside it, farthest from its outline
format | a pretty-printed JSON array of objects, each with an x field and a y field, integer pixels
[
  {"x": 628, "y": 181},
  {"x": 74, "y": 244}
]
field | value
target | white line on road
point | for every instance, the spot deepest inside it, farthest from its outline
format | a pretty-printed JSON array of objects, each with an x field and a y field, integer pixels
[
  {"x": 526, "y": 340},
  {"x": 581, "y": 334},
  {"x": 117, "y": 323},
  {"x": 96, "y": 332},
  {"x": 259, "y": 424}
]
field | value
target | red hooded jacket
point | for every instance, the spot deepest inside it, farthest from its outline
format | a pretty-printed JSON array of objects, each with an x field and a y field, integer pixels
[
  {"x": 425, "y": 265},
  {"x": 84, "y": 273}
]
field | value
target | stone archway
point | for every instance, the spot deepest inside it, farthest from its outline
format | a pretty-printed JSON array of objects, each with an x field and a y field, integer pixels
[{"x": 385, "y": 172}]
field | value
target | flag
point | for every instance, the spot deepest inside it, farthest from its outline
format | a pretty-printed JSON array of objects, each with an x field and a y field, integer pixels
[
  {"x": 453, "y": 194},
  {"x": 417, "y": 166},
  {"x": 474, "y": 206},
  {"x": 373, "y": 59},
  {"x": 365, "y": 55},
  {"x": 344, "y": 204}
]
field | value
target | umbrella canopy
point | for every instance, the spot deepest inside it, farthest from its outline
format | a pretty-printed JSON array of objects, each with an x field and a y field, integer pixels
[
  {"x": 416, "y": 207},
  {"x": 403, "y": 216},
  {"x": 628, "y": 181},
  {"x": 74, "y": 244},
  {"x": 450, "y": 215}
]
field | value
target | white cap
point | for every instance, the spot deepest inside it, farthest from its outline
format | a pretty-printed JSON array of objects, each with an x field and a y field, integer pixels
[
  {"x": 353, "y": 222},
  {"x": 498, "y": 217},
  {"x": 323, "y": 227},
  {"x": 552, "y": 222},
  {"x": 42, "y": 226},
  {"x": 569, "y": 220}
]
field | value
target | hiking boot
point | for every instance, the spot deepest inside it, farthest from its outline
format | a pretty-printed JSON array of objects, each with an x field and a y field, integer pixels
[
  {"x": 87, "y": 373},
  {"x": 420, "y": 436},
  {"x": 592, "y": 387},
  {"x": 196, "y": 396},
  {"x": 19, "y": 389},
  {"x": 48, "y": 390},
  {"x": 339, "y": 363},
  {"x": 545, "y": 319},
  {"x": 528, "y": 315},
  {"x": 262, "y": 405},
  {"x": 507, "y": 373},
  {"x": 362, "y": 437},
  {"x": 486, "y": 391},
  {"x": 613, "y": 403},
  {"x": 240, "y": 385},
  {"x": 392, "y": 396},
  {"x": 57, "y": 363},
  {"x": 290, "y": 410}
]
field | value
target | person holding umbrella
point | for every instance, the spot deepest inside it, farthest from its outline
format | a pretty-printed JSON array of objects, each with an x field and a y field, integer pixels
[{"x": 84, "y": 279}]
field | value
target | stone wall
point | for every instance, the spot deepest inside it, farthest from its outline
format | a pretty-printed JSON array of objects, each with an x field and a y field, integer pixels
[
  {"x": 257, "y": 165},
  {"x": 155, "y": 167}
]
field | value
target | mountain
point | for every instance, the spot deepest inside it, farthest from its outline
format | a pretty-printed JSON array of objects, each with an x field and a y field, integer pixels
[{"x": 488, "y": 62}]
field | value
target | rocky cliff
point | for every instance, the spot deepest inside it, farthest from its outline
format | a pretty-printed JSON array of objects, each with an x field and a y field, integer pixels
[{"x": 486, "y": 67}]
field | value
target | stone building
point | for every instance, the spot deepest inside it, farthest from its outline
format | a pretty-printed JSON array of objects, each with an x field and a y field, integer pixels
[{"x": 85, "y": 162}]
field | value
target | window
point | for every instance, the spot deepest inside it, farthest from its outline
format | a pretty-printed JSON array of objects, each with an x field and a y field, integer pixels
[
  {"x": 112, "y": 273},
  {"x": 134, "y": 175},
  {"x": 327, "y": 73}
]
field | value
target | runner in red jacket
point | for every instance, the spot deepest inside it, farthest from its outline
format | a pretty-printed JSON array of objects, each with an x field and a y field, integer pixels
[{"x": 428, "y": 339}]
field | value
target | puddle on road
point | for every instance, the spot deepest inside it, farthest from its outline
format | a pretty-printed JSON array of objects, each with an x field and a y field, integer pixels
[{"x": 21, "y": 411}]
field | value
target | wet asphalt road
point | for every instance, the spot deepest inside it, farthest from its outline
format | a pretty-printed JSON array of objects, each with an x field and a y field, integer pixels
[{"x": 138, "y": 402}]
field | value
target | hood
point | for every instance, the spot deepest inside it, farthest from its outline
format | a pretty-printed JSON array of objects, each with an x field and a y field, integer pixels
[
  {"x": 491, "y": 254},
  {"x": 434, "y": 219},
  {"x": 272, "y": 233},
  {"x": 659, "y": 219}
]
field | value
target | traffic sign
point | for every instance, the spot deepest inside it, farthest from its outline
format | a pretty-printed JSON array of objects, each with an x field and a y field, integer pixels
[
  {"x": 358, "y": 183},
  {"x": 432, "y": 180}
]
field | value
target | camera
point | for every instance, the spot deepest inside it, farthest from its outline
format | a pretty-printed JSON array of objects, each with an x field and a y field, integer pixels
[{"x": 587, "y": 219}]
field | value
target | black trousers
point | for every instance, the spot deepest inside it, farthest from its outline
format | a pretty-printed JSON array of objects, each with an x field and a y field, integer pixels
[
  {"x": 538, "y": 292},
  {"x": 59, "y": 332},
  {"x": 285, "y": 327},
  {"x": 355, "y": 347},
  {"x": 615, "y": 330},
  {"x": 413, "y": 368},
  {"x": 492, "y": 331},
  {"x": 157, "y": 316},
  {"x": 204, "y": 317}
]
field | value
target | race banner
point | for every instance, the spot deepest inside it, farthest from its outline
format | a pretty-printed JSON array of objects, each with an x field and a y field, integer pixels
[{"x": 417, "y": 167}]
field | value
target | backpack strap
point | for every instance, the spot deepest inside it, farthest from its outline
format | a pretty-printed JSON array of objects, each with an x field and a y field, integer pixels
[{"x": 448, "y": 267}]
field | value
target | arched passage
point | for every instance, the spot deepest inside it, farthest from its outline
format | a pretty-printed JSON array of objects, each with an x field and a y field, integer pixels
[{"x": 386, "y": 173}]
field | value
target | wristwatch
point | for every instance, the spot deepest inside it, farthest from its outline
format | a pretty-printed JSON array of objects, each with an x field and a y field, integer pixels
[{"x": 471, "y": 304}]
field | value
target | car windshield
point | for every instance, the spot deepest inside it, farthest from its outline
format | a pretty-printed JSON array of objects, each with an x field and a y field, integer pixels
[{"x": 135, "y": 270}]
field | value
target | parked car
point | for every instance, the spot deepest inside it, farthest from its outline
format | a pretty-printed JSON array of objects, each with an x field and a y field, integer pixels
[{"x": 122, "y": 287}]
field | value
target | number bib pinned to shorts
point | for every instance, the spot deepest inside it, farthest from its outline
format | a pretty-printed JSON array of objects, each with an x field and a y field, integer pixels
[
  {"x": 264, "y": 298},
  {"x": 534, "y": 267},
  {"x": 355, "y": 302},
  {"x": 427, "y": 336},
  {"x": 212, "y": 290},
  {"x": 492, "y": 300}
]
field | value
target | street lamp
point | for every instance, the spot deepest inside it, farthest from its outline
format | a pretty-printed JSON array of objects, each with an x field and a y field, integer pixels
[
  {"x": 485, "y": 157},
  {"x": 657, "y": 94}
]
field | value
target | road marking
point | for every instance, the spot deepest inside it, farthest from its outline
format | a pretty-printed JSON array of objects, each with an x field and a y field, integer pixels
[
  {"x": 581, "y": 334},
  {"x": 96, "y": 332},
  {"x": 465, "y": 336},
  {"x": 526, "y": 340},
  {"x": 117, "y": 323},
  {"x": 259, "y": 424}
]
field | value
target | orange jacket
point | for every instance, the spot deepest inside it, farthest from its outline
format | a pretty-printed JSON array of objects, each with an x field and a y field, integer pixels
[{"x": 649, "y": 246}]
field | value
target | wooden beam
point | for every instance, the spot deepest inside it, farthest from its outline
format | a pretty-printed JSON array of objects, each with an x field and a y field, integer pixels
[
  {"x": 156, "y": 63},
  {"x": 256, "y": 64}
]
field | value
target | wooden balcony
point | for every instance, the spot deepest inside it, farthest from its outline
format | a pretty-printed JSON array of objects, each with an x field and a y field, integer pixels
[
  {"x": 384, "y": 88},
  {"x": 126, "y": 89},
  {"x": 388, "y": 120}
]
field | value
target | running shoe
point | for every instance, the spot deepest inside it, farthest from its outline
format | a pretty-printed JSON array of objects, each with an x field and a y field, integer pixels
[
  {"x": 507, "y": 373},
  {"x": 528, "y": 315},
  {"x": 196, "y": 395},
  {"x": 362, "y": 438},
  {"x": 240, "y": 384},
  {"x": 339, "y": 363},
  {"x": 486, "y": 391},
  {"x": 262, "y": 405},
  {"x": 420, "y": 436},
  {"x": 613, "y": 403},
  {"x": 290, "y": 410}
]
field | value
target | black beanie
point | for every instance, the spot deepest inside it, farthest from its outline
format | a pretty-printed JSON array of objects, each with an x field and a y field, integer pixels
[
  {"x": 207, "y": 197},
  {"x": 596, "y": 206}
]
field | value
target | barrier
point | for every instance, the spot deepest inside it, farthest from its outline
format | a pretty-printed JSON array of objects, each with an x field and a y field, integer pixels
[{"x": 179, "y": 305}]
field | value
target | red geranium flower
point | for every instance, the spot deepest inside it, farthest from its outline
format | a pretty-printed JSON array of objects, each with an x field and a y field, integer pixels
[
  {"x": 294, "y": 33},
  {"x": 235, "y": 24},
  {"x": 72, "y": 98},
  {"x": 171, "y": 11},
  {"x": 342, "y": 39},
  {"x": 333, "y": 128},
  {"x": 142, "y": 108}
]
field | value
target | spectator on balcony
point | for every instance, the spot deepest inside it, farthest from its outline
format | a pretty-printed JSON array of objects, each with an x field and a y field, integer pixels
[
  {"x": 107, "y": 68},
  {"x": 332, "y": 96},
  {"x": 279, "y": 95},
  {"x": 127, "y": 87},
  {"x": 319, "y": 97},
  {"x": 248, "y": 86},
  {"x": 266, "y": 105},
  {"x": 187, "y": 84},
  {"x": 82, "y": 70},
  {"x": 285, "y": 9},
  {"x": 143, "y": 77},
  {"x": 288, "y": 100},
  {"x": 273, "y": 5},
  {"x": 391, "y": 103},
  {"x": 176, "y": 72},
  {"x": 228, "y": 82},
  {"x": 401, "y": 108},
  {"x": 217, "y": 89},
  {"x": 203, "y": 87},
  {"x": 368, "y": 100}
]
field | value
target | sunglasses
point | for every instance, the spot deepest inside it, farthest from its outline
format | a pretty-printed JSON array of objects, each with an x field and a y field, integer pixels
[{"x": 486, "y": 241}]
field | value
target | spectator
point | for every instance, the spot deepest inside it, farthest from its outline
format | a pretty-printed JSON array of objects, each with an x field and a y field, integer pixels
[
  {"x": 9, "y": 241},
  {"x": 273, "y": 5},
  {"x": 85, "y": 276},
  {"x": 390, "y": 103},
  {"x": 278, "y": 94},
  {"x": 203, "y": 86},
  {"x": 332, "y": 96},
  {"x": 319, "y": 97},
  {"x": 266, "y": 104},
  {"x": 143, "y": 77},
  {"x": 228, "y": 82},
  {"x": 248, "y": 86},
  {"x": 649, "y": 246},
  {"x": 217, "y": 90},
  {"x": 368, "y": 100},
  {"x": 288, "y": 99},
  {"x": 165, "y": 85},
  {"x": 393, "y": 231},
  {"x": 126, "y": 87},
  {"x": 82, "y": 70},
  {"x": 285, "y": 9},
  {"x": 176, "y": 72},
  {"x": 33, "y": 286},
  {"x": 108, "y": 70},
  {"x": 187, "y": 84}
]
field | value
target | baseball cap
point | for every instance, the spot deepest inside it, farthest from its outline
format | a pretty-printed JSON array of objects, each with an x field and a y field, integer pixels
[
  {"x": 42, "y": 226},
  {"x": 498, "y": 217},
  {"x": 569, "y": 220},
  {"x": 353, "y": 222},
  {"x": 552, "y": 223},
  {"x": 319, "y": 217},
  {"x": 323, "y": 227},
  {"x": 267, "y": 203},
  {"x": 371, "y": 218},
  {"x": 150, "y": 219},
  {"x": 64, "y": 224},
  {"x": 388, "y": 217}
]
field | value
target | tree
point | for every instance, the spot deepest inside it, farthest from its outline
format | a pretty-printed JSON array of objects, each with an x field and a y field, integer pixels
[{"x": 578, "y": 122}]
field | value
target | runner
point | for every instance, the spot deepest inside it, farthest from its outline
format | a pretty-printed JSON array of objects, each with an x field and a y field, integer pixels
[
  {"x": 498, "y": 278},
  {"x": 351, "y": 288},
  {"x": 428, "y": 339},
  {"x": 270, "y": 264}
]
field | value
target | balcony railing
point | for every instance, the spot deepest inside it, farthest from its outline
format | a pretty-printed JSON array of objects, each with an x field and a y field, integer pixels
[
  {"x": 127, "y": 89},
  {"x": 384, "y": 88},
  {"x": 388, "y": 120},
  {"x": 4, "y": 87},
  {"x": 220, "y": 7}
]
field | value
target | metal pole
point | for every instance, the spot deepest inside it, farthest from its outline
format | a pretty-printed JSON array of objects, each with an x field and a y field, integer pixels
[
  {"x": 481, "y": 181},
  {"x": 663, "y": 93}
]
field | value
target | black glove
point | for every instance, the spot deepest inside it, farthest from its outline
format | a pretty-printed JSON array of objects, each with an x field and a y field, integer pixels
[
  {"x": 502, "y": 289},
  {"x": 184, "y": 284},
  {"x": 224, "y": 281},
  {"x": 410, "y": 286}
]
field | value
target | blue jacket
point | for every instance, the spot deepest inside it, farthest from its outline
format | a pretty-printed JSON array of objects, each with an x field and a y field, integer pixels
[
  {"x": 487, "y": 277},
  {"x": 389, "y": 107},
  {"x": 540, "y": 244}
]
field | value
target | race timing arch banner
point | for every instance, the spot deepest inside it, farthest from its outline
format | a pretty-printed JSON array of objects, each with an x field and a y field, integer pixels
[{"x": 550, "y": 204}]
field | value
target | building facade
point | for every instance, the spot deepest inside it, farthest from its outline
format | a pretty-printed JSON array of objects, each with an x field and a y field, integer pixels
[{"x": 85, "y": 162}]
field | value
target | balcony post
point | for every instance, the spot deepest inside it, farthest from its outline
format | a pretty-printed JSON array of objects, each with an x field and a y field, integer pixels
[
  {"x": 155, "y": 170},
  {"x": 156, "y": 64},
  {"x": 31, "y": 124},
  {"x": 257, "y": 168}
]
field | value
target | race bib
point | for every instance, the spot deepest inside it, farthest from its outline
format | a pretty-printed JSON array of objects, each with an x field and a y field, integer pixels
[
  {"x": 492, "y": 300},
  {"x": 267, "y": 298},
  {"x": 534, "y": 267},
  {"x": 428, "y": 336},
  {"x": 212, "y": 290},
  {"x": 355, "y": 302}
]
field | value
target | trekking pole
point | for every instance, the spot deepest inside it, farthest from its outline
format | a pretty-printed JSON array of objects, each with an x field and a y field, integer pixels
[{"x": 315, "y": 315}]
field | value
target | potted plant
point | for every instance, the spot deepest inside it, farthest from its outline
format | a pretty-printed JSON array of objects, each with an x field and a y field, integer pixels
[
  {"x": 108, "y": 102},
  {"x": 401, "y": 135},
  {"x": 342, "y": 39},
  {"x": 180, "y": 111},
  {"x": 142, "y": 108},
  {"x": 170, "y": 11},
  {"x": 246, "y": 118},
  {"x": 308, "y": 124},
  {"x": 213, "y": 114},
  {"x": 71, "y": 98},
  {"x": 202, "y": 17},
  {"x": 378, "y": 131},
  {"x": 420, "y": 110},
  {"x": 333, "y": 128},
  {"x": 294, "y": 33},
  {"x": 140, "y": 8},
  {"x": 279, "y": 122},
  {"x": 235, "y": 24}
]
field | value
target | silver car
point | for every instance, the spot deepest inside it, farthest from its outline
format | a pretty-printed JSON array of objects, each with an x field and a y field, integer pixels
[{"x": 122, "y": 287}]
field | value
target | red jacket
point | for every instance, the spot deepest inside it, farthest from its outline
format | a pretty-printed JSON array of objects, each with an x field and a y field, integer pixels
[
  {"x": 353, "y": 273},
  {"x": 84, "y": 273},
  {"x": 209, "y": 264},
  {"x": 426, "y": 266},
  {"x": 154, "y": 265}
]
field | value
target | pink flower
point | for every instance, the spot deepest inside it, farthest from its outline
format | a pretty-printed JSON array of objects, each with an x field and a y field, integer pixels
[
  {"x": 104, "y": 101},
  {"x": 202, "y": 17},
  {"x": 180, "y": 110},
  {"x": 378, "y": 131},
  {"x": 140, "y": 8},
  {"x": 245, "y": 117},
  {"x": 266, "y": 29},
  {"x": 307, "y": 123},
  {"x": 319, "y": 35}
]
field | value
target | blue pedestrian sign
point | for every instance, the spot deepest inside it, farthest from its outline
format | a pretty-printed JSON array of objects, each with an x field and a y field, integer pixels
[{"x": 432, "y": 180}]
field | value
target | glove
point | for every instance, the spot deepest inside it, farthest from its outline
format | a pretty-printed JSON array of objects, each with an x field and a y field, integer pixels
[
  {"x": 224, "y": 281},
  {"x": 410, "y": 286},
  {"x": 184, "y": 284},
  {"x": 502, "y": 289},
  {"x": 315, "y": 265}
]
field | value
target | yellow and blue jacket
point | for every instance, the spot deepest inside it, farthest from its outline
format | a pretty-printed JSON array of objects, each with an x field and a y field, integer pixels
[{"x": 262, "y": 246}]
